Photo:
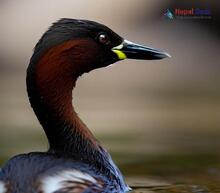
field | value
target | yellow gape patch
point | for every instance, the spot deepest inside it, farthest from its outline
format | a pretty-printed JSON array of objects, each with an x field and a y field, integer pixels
[{"x": 121, "y": 55}]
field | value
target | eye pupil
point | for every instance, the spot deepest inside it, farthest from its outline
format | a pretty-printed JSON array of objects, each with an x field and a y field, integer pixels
[{"x": 104, "y": 39}]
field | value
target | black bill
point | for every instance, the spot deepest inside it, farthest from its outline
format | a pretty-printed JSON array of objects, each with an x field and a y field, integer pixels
[{"x": 135, "y": 51}]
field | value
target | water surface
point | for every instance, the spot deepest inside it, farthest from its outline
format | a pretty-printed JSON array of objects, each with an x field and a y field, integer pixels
[{"x": 150, "y": 169}]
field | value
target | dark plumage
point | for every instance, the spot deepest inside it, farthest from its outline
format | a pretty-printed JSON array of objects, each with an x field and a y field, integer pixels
[{"x": 75, "y": 161}]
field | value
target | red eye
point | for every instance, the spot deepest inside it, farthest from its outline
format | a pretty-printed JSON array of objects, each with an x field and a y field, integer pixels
[{"x": 104, "y": 39}]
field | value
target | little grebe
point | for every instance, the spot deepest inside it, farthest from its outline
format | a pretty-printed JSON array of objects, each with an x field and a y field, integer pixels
[{"x": 75, "y": 161}]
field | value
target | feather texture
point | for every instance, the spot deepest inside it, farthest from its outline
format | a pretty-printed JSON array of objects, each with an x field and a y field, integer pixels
[{"x": 70, "y": 181}]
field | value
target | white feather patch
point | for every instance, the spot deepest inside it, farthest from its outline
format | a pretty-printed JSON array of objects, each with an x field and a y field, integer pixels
[
  {"x": 55, "y": 182},
  {"x": 2, "y": 187}
]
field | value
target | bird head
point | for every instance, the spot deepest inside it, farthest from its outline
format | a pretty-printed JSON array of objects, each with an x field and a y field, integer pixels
[{"x": 91, "y": 45}]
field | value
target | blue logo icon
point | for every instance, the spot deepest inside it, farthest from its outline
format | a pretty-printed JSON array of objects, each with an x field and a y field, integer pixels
[{"x": 169, "y": 14}]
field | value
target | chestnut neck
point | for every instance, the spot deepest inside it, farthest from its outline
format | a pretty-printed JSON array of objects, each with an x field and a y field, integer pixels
[{"x": 50, "y": 81}]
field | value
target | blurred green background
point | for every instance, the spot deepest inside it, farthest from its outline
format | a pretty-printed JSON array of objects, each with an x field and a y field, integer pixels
[{"x": 157, "y": 118}]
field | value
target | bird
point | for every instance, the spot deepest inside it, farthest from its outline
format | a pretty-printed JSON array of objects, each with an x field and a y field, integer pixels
[{"x": 75, "y": 161}]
